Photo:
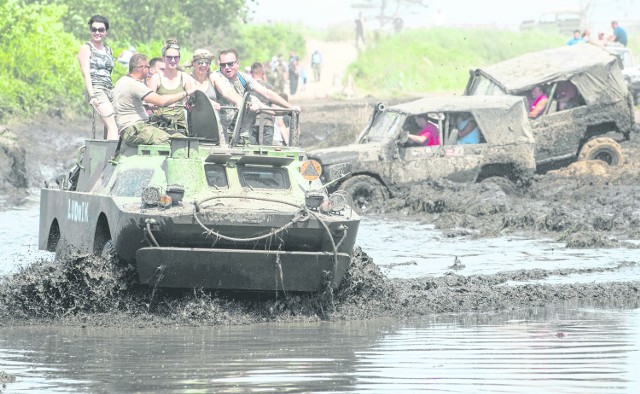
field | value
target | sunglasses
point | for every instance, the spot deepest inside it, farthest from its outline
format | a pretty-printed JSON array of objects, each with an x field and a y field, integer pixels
[
  {"x": 172, "y": 58},
  {"x": 228, "y": 64},
  {"x": 98, "y": 30},
  {"x": 203, "y": 63}
]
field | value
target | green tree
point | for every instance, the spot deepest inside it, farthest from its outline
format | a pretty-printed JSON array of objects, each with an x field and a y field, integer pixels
[
  {"x": 147, "y": 20},
  {"x": 41, "y": 64}
]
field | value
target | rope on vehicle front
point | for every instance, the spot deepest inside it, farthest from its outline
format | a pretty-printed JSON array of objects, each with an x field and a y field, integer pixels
[{"x": 301, "y": 215}]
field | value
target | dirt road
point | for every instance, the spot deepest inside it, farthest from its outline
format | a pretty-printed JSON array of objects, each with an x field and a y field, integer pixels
[{"x": 337, "y": 55}]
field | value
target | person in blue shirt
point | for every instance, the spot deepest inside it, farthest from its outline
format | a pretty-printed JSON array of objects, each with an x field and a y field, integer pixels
[
  {"x": 619, "y": 35},
  {"x": 468, "y": 130},
  {"x": 577, "y": 38}
]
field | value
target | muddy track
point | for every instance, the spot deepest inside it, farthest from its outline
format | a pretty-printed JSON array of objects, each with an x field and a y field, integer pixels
[{"x": 586, "y": 204}]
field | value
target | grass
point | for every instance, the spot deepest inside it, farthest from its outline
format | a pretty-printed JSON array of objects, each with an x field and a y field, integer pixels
[{"x": 438, "y": 60}]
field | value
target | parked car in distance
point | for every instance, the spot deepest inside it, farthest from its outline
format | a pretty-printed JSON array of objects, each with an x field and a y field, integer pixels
[
  {"x": 585, "y": 126},
  {"x": 382, "y": 158},
  {"x": 630, "y": 69}
]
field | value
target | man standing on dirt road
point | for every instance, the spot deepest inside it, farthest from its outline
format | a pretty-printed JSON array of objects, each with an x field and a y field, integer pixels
[
  {"x": 316, "y": 65},
  {"x": 294, "y": 72},
  {"x": 242, "y": 83}
]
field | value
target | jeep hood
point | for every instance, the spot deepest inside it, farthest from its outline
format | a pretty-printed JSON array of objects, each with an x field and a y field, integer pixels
[{"x": 346, "y": 154}]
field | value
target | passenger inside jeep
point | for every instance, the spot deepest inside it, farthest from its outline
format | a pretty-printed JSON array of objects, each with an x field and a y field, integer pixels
[
  {"x": 465, "y": 131},
  {"x": 567, "y": 96},
  {"x": 424, "y": 129}
]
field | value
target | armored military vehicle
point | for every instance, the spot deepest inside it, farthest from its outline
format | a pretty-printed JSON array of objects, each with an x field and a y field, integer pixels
[
  {"x": 383, "y": 159},
  {"x": 201, "y": 213}
]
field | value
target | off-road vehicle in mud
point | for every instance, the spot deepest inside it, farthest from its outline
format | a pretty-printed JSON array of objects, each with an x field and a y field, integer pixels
[
  {"x": 630, "y": 70},
  {"x": 588, "y": 126},
  {"x": 197, "y": 213},
  {"x": 382, "y": 159}
]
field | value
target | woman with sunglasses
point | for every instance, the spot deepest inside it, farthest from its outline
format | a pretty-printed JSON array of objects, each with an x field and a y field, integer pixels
[
  {"x": 96, "y": 63},
  {"x": 172, "y": 81},
  {"x": 210, "y": 83}
]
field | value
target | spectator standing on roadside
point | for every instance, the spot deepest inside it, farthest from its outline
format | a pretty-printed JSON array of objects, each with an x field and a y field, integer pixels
[
  {"x": 316, "y": 65},
  {"x": 294, "y": 72},
  {"x": 619, "y": 35},
  {"x": 96, "y": 63},
  {"x": 280, "y": 75},
  {"x": 359, "y": 30}
]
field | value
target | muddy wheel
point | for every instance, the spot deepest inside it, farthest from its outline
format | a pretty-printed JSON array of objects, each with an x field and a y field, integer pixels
[
  {"x": 108, "y": 250},
  {"x": 507, "y": 186},
  {"x": 604, "y": 149},
  {"x": 367, "y": 193}
]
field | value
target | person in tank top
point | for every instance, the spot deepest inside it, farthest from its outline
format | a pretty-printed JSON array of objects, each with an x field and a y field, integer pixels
[
  {"x": 172, "y": 81},
  {"x": 96, "y": 63}
]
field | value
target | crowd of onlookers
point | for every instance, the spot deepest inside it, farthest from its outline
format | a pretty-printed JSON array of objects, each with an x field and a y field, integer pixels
[
  {"x": 148, "y": 105},
  {"x": 618, "y": 36}
]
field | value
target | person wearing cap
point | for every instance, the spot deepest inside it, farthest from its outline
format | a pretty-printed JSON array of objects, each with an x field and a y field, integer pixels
[
  {"x": 430, "y": 133},
  {"x": 210, "y": 83}
]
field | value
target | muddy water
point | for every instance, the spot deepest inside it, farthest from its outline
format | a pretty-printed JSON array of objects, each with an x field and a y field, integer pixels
[{"x": 566, "y": 348}]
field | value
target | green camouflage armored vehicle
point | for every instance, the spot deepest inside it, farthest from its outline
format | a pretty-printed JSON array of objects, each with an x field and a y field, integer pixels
[{"x": 194, "y": 213}]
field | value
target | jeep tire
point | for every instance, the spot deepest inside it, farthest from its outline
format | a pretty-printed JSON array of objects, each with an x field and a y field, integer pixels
[
  {"x": 366, "y": 192},
  {"x": 602, "y": 148}
]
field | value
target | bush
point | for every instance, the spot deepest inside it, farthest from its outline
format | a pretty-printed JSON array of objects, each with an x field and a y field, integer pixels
[{"x": 42, "y": 71}]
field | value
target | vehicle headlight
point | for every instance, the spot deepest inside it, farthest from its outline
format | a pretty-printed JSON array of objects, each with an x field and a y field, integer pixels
[
  {"x": 153, "y": 195},
  {"x": 338, "y": 201},
  {"x": 313, "y": 199}
]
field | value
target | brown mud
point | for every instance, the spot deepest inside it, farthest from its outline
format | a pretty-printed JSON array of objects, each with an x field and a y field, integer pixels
[{"x": 584, "y": 205}]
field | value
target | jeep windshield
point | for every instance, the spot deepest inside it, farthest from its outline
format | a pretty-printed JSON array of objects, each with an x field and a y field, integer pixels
[
  {"x": 382, "y": 127},
  {"x": 483, "y": 86}
]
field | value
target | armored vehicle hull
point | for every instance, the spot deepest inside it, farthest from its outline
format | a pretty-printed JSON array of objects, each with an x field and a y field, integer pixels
[{"x": 198, "y": 214}]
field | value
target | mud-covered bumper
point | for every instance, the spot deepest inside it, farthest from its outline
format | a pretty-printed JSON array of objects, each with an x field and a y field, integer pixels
[{"x": 232, "y": 269}]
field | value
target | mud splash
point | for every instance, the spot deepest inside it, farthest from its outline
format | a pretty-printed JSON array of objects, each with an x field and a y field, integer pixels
[{"x": 92, "y": 291}]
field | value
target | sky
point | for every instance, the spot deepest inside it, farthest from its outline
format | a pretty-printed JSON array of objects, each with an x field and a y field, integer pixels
[{"x": 497, "y": 13}]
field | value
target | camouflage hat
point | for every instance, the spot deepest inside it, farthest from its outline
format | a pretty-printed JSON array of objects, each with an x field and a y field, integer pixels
[{"x": 200, "y": 54}]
